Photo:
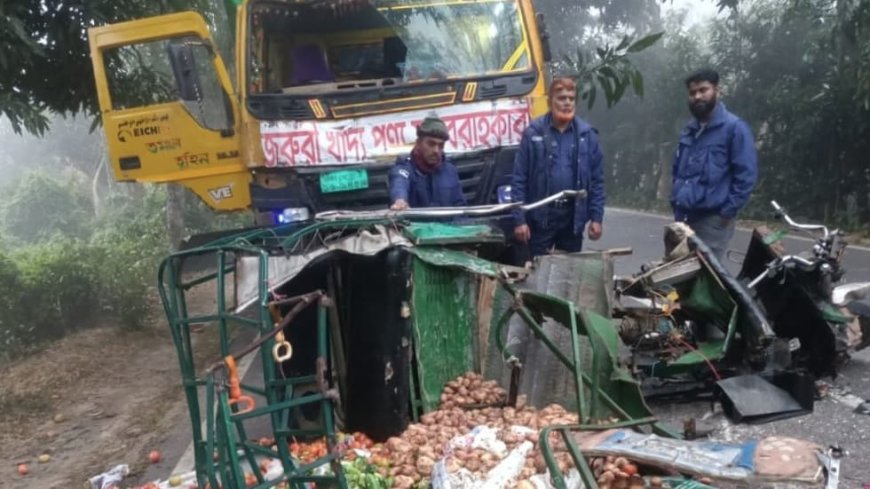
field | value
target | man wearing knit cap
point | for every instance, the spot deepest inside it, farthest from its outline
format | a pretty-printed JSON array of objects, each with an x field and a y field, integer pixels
[
  {"x": 425, "y": 178},
  {"x": 559, "y": 151}
]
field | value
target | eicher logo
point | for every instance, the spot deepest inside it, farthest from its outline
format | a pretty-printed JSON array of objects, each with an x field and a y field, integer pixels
[
  {"x": 154, "y": 125},
  {"x": 220, "y": 193}
]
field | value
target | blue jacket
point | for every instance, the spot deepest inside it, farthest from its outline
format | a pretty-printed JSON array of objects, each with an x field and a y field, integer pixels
[
  {"x": 714, "y": 172},
  {"x": 531, "y": 173},
  {"x": 440, "y": 189}
]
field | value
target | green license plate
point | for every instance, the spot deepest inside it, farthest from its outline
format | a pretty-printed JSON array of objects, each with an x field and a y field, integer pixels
[{"x": 344, "y": 180}]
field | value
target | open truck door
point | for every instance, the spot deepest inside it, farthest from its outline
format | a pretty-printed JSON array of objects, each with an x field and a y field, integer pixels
[{"x": 168, "y": 107}]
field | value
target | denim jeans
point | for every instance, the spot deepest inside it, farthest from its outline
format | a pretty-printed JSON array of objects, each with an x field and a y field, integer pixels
[{"x": 714, "y": 233}]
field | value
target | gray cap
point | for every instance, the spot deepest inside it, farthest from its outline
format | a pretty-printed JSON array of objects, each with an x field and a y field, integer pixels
[{"x": 433, "y": 127}]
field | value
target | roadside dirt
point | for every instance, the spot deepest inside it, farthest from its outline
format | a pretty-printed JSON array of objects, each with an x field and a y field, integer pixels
[{"x": 94, "y": 399}]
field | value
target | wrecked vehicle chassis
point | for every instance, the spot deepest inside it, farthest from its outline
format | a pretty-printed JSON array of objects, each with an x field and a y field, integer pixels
[{"x": 360, "y": 323}]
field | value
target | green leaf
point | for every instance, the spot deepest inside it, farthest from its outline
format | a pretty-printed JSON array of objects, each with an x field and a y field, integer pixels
[
  {"x": 608, "y": 72},
  {"x": 604, "y": 82},
  {"x": 624, "y": 43},
  {"x": 645, "y": 42},
  {"x": 620, "y": 90},
  {"x": 20, "y": 32},
  {"x": 637, "y": 82}
]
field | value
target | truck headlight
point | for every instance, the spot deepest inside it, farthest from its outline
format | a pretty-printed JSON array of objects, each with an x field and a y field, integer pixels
[
  {"x": 293, "y": 214},
  {"x": 504, "y": 194}
]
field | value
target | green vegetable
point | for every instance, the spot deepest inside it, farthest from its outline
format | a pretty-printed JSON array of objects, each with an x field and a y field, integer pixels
[{"x": 361, "y": 474}]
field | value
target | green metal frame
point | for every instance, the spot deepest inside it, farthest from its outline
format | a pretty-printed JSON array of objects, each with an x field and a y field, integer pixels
[
  {"x": 612, "y": 392},
  {"x": 598, "y": 395},
  {"x": 576, "y": 454},
  {"x": 625, "y": 403},
  {"x": 218, "y": 442}
]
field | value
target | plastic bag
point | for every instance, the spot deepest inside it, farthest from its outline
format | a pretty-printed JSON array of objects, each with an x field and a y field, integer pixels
[
  {"x": 110, "y": 478},
  {"x": 502, "y": 476}
]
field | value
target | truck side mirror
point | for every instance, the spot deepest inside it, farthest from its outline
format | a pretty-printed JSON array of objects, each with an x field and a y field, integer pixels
[
  {"x": 183, "y": 63},
  {"x": 545, "y": 37}
]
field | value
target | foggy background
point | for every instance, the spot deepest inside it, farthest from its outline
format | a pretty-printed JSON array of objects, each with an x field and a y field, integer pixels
[{"x": 797, "y": 71}]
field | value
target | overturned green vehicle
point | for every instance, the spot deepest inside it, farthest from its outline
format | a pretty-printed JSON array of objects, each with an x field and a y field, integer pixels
[{"x": 356, "y": 321}]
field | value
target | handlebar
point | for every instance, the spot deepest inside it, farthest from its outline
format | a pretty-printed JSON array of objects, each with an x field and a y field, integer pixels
[
  {"x": 804, "y": 227},
  {"x": 780, "y": 263},
  {"x": 468, "y": 211}
]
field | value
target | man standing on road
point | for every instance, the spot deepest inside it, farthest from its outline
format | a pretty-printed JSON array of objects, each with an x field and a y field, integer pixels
[
  {"x": 425, "y": 178},
  {"x": 559, "y": 151},
  {"x": 715, "y": 165}
]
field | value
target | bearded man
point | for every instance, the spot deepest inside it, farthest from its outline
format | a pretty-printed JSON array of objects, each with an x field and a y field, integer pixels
[
  {"x": 558, "y": 151},
  {"x": 715, "y": 165}
]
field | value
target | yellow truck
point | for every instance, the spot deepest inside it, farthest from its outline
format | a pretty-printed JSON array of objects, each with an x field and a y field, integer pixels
[{"x": 325, "y": 95}]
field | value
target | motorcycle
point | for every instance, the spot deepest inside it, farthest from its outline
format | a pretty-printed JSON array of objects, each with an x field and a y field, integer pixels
[
  {"x": 822, "y": 323},
  {"x": 687, "y": 322}
]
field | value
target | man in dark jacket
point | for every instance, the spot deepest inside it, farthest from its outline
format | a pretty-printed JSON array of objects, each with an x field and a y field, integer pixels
[
  {"x": 715, "y": 165},
  {"x": 425, "y": 178},
  {"x": 559, "y": 151}
]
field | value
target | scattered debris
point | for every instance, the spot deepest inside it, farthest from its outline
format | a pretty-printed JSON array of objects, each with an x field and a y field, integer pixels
[
  {"x": 753, "y": 399},
  {"x": 770, "y": 460},
  {"x": 110, "y": 478}
]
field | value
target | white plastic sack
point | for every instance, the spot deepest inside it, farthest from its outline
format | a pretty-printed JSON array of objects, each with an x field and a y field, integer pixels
[
  {"x": 112, "y": 477},
  {"x": 480, "y": 437},
  {"x": 502, "y": 476}
]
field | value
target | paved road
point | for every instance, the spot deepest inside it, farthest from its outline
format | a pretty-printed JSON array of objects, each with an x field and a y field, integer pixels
[
  {"x": 833, "y": 422},
  {"x": 644, "y": 233}
]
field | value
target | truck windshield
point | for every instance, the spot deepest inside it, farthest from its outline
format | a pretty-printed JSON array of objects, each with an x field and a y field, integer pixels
[{"x": 319, "y": 47}]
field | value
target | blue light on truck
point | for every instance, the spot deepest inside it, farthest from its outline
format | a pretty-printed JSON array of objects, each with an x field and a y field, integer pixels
[
  {"x": 504, "y": 194},
  {"x": 293, "y": 214}
]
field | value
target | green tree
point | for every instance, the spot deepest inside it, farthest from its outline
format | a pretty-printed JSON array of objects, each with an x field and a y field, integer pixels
[
  {"x": 41, "y": 206},
  {"x": 45, "y": 61},
  {"x": 796, "y": 71},
  {"x": 638, "y": 135}
]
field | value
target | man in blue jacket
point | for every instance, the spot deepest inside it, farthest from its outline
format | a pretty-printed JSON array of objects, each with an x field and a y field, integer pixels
[
  {"x": 425, "y": 178},
  {"x": 558, "y": 151},
  {"x": 715, "y": 165}
]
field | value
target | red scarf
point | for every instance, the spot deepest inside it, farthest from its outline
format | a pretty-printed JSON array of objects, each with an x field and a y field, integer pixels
[{"x": 423, "y": 165}]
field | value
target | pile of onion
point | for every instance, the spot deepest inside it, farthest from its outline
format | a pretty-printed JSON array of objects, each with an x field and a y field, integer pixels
[{"x": 463, "y": 407}]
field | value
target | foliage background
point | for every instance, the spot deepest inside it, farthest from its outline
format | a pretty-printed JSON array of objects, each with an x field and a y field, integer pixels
[
  {"x": 797, "y": 71},
  {"x": 76, "y": 248}
]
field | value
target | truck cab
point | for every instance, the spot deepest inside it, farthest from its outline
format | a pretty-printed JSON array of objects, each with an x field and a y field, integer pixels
[{"x": 326, "y": 95}]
